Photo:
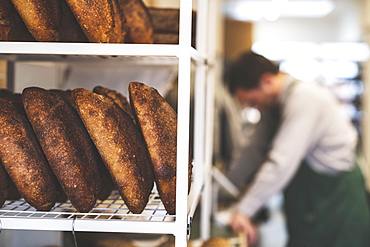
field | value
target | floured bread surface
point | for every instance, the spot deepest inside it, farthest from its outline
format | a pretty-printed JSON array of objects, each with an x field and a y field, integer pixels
[
  {"x": 120, "y": 144},
  {"x": 41, "y": 17},
  {"x": 23, "y": 158},
  {"x": 101, "y": 20},
  {"x": 158, "y": 123},
  {"x": 66, "y": 145}
]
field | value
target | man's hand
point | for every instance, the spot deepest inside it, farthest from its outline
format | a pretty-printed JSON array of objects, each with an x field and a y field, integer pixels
[{"x": 241, "y": 223}]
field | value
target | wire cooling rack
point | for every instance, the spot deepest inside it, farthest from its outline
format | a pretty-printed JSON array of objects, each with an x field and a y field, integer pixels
[{"x": 110, "y": 215}]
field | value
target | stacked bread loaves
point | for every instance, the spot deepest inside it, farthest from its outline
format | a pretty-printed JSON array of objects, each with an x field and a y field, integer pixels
[{"x": 81, "y": 144}]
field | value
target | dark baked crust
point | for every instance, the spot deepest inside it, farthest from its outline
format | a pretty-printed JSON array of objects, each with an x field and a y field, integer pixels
[
  {"x": 120, "y": 145},
  {"x": 66, "y": 145},
  {"x": 158, "y": 123},
  {"x": 101, "y": 20},
  {"x": 23, "y": 158},
  {"x": 42, "y": 18},
  {"x": 117, "y": 97},
  {"x": 70, "y": 30},
  {"x": 12, "y": 27},
  {"x": 140, "y": 28}
]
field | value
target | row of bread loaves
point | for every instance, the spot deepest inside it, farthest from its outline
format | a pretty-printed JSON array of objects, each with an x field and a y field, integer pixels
[{"x": 82, "y": 144}]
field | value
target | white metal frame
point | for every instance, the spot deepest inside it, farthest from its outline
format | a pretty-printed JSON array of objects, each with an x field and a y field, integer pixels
[{"x": 178, "y": 225}]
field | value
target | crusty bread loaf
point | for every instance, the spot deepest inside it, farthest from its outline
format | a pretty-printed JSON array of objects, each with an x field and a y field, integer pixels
[
  {"x": 158, "y": 123},
  {"x": 107, "y": 184},
  {"x": 120, "y": 144},
  {"x": 12, "y": 27},
  {"x": 140, "y": 29},
  {"x": 117, "y": 97},
  {"x": 101, "y": 20},
  {"x": 41, "y": 17},
  {"x": 66, "y": 145},
  {"x": 23, "y": 158}
]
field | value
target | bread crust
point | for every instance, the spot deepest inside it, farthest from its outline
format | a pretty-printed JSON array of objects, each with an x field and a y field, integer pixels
[
  {"x": 117, "y": 97},
  {"x": 66, "y": 145},
  {"x": 120, "y": 145},
  {"x": 101, "y": 20},
  {"x": 158, "y": 123},
  {"x": 139, "y": 24},
  {"x": 42, "y": 18},
  {"x": 12, "y": 27},
  {"x": 23, "y": 158},
  {"x": 70, "y": 30}
]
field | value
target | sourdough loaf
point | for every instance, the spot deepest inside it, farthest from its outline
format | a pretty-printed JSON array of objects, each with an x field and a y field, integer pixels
[
  {"x": 120, "y": 144},
  {"x": 107, "y": 184},
  {"x": 66, "y": 145},
  {"x": 23, "y": 158},
  {"x": 158, "y": 123}
]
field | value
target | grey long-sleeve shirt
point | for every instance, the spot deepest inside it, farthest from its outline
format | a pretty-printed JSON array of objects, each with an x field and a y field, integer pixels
[{"x": 313, "y": 128}]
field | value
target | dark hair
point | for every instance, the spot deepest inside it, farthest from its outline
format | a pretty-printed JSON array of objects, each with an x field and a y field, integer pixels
[{"x": 246, "y": 71}]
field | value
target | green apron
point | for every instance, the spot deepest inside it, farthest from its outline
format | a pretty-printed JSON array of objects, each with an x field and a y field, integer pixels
[{"x": 327, "y": 211}]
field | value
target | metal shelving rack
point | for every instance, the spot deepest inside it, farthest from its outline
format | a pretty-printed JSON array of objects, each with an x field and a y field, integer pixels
[{"x": 112, "y": 215}]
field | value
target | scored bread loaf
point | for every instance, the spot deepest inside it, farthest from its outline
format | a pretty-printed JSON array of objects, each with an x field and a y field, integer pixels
[
  {"x": 120, "y": 144},
  {"x": 41, "y": 17},
  {"x": 23, "y": 158},
  {"x": 101, "y": 20},
  {"x": 66, "y": 145},
  {"x": 139, "y": 25},
  {"x": 12, "y": 27},
  {"x": 158, "y": 123}
]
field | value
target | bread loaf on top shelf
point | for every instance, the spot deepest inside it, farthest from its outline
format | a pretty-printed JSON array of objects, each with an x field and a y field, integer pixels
[
  {"x": 101, "y": 20},
  {"x": 66, "y": 145},
  {"x": 139, "y": 25},
  {"x": 41, "y": 17},
  {"x": 12, "y": 27}
]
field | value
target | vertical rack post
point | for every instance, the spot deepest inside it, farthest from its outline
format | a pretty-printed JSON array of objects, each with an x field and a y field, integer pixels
[
  {"x": 200, "y": 95},
  {"x": 184, "y": 77},
  {"x": 200, "y": 115},
  {"x": 211, "y": 6}
]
